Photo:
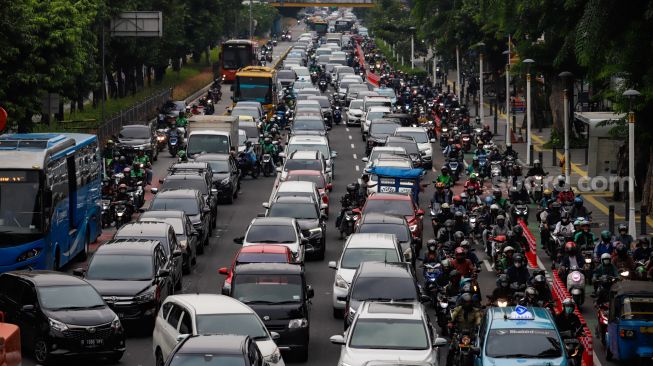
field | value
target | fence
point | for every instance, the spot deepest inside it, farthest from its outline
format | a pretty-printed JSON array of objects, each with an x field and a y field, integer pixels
[
  {"x": 371, "y": 77},
  {"x": 532, "y": 243}
]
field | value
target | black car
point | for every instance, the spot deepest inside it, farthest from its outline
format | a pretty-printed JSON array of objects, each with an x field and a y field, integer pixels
[
  {"x": 278, "y": 293},
  {"x": 405, "y": 119},
  {"x": 165, "y": 234},
  {"x": 133, "y": 277},
  {"x": 376, "y": 223},
  {"x": 225, "y": 349},
  {"x": 192, "y": 203},
  {"x": 409, "y": 144},
  {"x": 379, "y": 132},
  {"x": 187, "y": 237},
  {"x": 225, "y": 175},
  {"x": 134, "y": 137},
  {"x": 60, "y": 315},
  {"x": 382, "y": 282},
  {"x": 311, "y": 222},
  {"x": 197, "y": 182},
  {"x": 205, "y": 171}
]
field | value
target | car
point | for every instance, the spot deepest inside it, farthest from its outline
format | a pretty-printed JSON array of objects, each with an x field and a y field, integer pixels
[
  {"x": 386, "y": 281},
  {"x": 409, "y": 144},
  {"x": 132, "y": 276},
  {"x": 319, "y": 143},
  {"x": 386, "y": 331},
  {"x": 60, "y": 315},
  {"x": 140, "y": 136},
  {"x": 308, "y": 124},
  {"x": 306, "y": 93},
  {"x": 325, "y": 106},
  {"x": 165, "y": 234},
  {"x": 187, "y": 237},
  {"x": 186, "y": 175},
  {"x": 283, "y": 231},
  {"x": 215, "y": 350},
  {"x": 397, "y": 204},
  {"x": 510, "y": 335},
  {"x": 346, "y": 81},
  {"x": 300, "y": 189},
  {"x": 357, "y": 249},
  {"x": 226, "y": 176},
  {"x": 302, "y": 73},
  {"x": 385, "y": 151},
  {"x": 312, "y": 176},
  {"x": 286, "y": 78},
  {"x": 192, "y": 203},
  {"x": 372, "y": 114},
  {"x": 311, "y": 222},
  {"x": 378, "y": 133},
  {"x": 262, "y": 253},
  {"x": 387, "y": 92},
  {"x": 249, "y": 111},
  {"x": 356, "y": 91},
  {"x": 251, "y": 104},
  {"x": 195, "y": 314},
  {"x": 305, "y": 160},
  {"x": 395, "y": 225},
  {"x": 376, "y": 101},
  {"x": 385, "y": 160},
  {"x": 251, "y": 131},
  {"x": 279, "y": 294},
  {"x": 354, "y": 112},
  {"x": 423, "y": 141}
]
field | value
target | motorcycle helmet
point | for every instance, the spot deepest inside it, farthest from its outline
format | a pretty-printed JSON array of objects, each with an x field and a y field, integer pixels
[
  {"x": 561, "y": 180},
  {"x": 531, "y": 293},
  {"x": 465, "y": 245},
  {"x": 457, "y": 200},
  {"x": 351, "y": 188},
  {"x": 122, "y": 188},
  {"x": 508, "y": 249},
  {"x": 267, "y": 140},
  {"x": 445, "y": 206},
  {"x": 622, "y": 227},
  {"x": 606, "y": 235},
  {"x": 127, "y": 171},
  {"x": 459, "y": 215},
  {"x": 439, "y": 185},
  {"x": 459, "y": 236},
  {"x": 547, "y": 192},
  {"x": 578, "y": 201},
  {"x": 431, "y": 245},
  {"x": 539, "y": 281},
  {"x": 564, "y": 218},
  {"x": 474, "y": 158},
  {"x": 501, "y": 220},
  {"x": 496, "y": 192},
  {"x": 466, "y": 300},
  {"x": 446, "y": 264},
  {"x": 489, "y": 200},
  {"x": 453, "y": 275},
  {"x": 448, "y": 225},
  {"x": 503, "y": 281},
  {"x": 494, "y": 208},
  {"x": 248, "y": 144},
  {"x": 122, "y": 160},
  {"x": 570, "y": 247},
  {"x": 444, "y": 169},
  {"x": 568, "y": 305},
  {"x": 620, "y": 248},
  {"x": 606, "y": 258},
  {"x": 473, "y": 176},
  {"x": 518, "y": 260},
  {"x": 464, "y": 197},
  {"x": 537, "y": 163}
]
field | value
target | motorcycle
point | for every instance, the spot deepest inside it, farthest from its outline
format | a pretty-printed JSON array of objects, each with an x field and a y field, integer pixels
[
  {"x": 122, "y": 215},
  {"x": 461, "y": 351},
  {"x": 588, "y": 267},
  {"x": 576, "y": 285},
  {"x": 495, "y": 169},
  {"x": 107, "y": 213},
  {"x": 247, "y": 167},
  {"x": 431, "y": 272},
  {"x": 536, "y": 185},
  {"x": 322, "y": 84},
  {"x": 267, "y": 165},
  {"x": 347, "y": 222},
  {"x": 466, "y": 142},
  {"x": 337, "y": 115},
  {"x": 519, "y": 211},
  {"x": 454, "y": 167},
  {"x": 173, "y": 143},
  {"x": 161, "y": 139},
  {"x": 443, "y": 311}
]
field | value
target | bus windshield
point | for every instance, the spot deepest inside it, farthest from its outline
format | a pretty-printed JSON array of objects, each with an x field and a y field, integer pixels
[
  {"x": 257, "y": 89},
  {"x": 20, "y": 219},
  {"x": 236, "y": 56}
]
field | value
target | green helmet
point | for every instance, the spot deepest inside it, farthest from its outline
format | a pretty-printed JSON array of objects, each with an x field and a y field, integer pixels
[
  {"x": 606, "y": 234},
  {"x": 181, "y": 154}
]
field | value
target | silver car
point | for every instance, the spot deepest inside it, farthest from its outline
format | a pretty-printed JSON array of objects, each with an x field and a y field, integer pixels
[{"x": 384, "y": 331}]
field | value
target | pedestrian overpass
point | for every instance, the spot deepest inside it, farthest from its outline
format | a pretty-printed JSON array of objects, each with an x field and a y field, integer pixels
[{"x": 330, "y": 3}]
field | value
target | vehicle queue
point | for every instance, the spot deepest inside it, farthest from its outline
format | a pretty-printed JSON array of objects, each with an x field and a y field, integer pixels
[{"x": 398, "y": 295}]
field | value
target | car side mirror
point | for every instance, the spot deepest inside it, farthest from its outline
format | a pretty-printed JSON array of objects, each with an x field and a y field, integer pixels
[
  {"x": 327, "y": 170},
  {"x": 324, "y": 206},
  {"x": 177, "y": 253},
  {"x": 223, "y": 271},
  {"x": 432, "y": 140},
  {"x": 342, "y": 298},
  {"x": 329, "y": 186},
  {"x": 79, "y": 272},
  {"x": 337, "y": 339},
  {"x": 181, "y": 337},
  {"x": 333, "y": 265},
  {"x": 440, "y": 342},
  {"x": 310, "y": 292},
  {"x": 334, "y": 154},
  {"x": 265, "y": 204},
  {"x": 206, "y": 209},
  {"x": 279, "y": 170},
  {"x": 239, "y": 240},
  {"x": 365, "y": 159},
  {"x": 28, "y": 308},
  {"x": 214, "y": 191},
  {"x": 275, "y": 336},
  {"x": 163, "y": 273},
  {"x": 161, "y": 181},
  {"x": 424, "y": 299},
  {"x": 154, "y": 190},
  {"x": 324, "y": 216},
  {"x": 282, "y": 155},
  {"x": 476, "y": 351}
]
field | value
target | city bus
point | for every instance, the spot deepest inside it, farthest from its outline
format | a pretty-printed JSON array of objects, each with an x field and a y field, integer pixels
[
  {"x": 236, "y": 54},
  {"x": 257, "y": 84},
  {"x": 50, "y": 199},
  {"x": 321, "y": 27}
]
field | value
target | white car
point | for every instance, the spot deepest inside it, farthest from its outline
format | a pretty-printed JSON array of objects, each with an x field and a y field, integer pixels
[
  {"x": 193, "y": 314},
  {"x": 302, "y": 73},
  {"x": 385, "y": 331},
  {"x": 354, "y": 112},
  {"x": 310, "y": 142},
  {"x": 276, "y": 231},
  {"x": 300, "y": 189},
  {"x": 360, "y": 248},
  {"x": 423, "y": 141},
  {"x": 372, "y": 114}
]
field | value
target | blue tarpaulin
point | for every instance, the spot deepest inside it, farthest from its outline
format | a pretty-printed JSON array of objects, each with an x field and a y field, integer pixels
[{"x": 396, "y": 172}]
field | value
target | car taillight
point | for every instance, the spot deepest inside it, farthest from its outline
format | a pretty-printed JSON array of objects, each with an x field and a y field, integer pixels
[
  {"x": 157, "y": 293},
  {"x": 325, "y": 199}
]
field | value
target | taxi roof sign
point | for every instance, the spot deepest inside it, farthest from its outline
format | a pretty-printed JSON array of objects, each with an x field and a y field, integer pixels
[{"x": 521, "y": 313}]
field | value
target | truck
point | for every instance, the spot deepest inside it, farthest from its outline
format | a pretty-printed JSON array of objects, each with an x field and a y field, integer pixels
[
  {"x": 334, "y": 38},
  {"x": 211, "y": 134}
]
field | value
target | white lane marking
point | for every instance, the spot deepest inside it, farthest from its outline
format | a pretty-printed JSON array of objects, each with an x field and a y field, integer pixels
[
  {"x": 357, "y": 168},
  {"x": 540, "y": 264},
  {"x": 349, "y": 137},
  {"x": 488, "y": 266},
  {"x": 353, "y": 146},
  {"x": 347, "y": 129},
  {"x": 355, "y": 157}
]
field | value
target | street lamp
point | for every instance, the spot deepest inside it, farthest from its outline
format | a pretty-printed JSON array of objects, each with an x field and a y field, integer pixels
[
  {"x": 508, "y": 137},
  {"x": 480, "y": 112},
  {"x": 250, "y": 20},
  {"x": 412, "y": 47},
  {"x": 631, "y": 94},
  {"x": 528, "y": 62},
  {"x": 566, "y": 76}
]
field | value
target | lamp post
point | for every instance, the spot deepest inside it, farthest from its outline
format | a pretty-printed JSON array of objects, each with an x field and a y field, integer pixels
[
  {"x": 566, "y": 76},
  {"x": 412, "y": 47},
  {"x": 480, "y": 111},
  {"x": 508, "y": 139},
  {"x": 458, "y": 74},
  {"x": 528, "y": 63},
  {"x": 631, "y": 94}
]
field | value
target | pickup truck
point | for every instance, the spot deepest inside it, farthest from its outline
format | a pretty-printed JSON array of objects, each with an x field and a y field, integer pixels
[{"x": 211, "y": 134}]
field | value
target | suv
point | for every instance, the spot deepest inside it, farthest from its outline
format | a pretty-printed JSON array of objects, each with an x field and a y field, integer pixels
[
  {"x": 357, "y": 249},
  {"x": 192, "y": 203},
  {"x": 370, "y": 115},
  {"x": 395, "y": 225},
  {"x": 311, "y": 223},
  {"x": 222, "y": 349},
  {"x": 409, "y": 144},
  {"x": 387, "y": 331},
  {"x": 381, "y": 280},
  {"x": 278, "y": 293},
  {"x": 141, "y": 136},
  {"x": 298, "y": 189},
  {"x": 397, "y": 204},
  {"x": 306, "y": 160},
  {"x": 423, "y": 141},
  {"x": 60, "y": 314},
  {"x": 186, "y": 235},
  {"x": 260, "y": 253},
  {"x": 276, "y": 230},
  {"x": 378, "y": 134},
  {"x": 186, "y": 175},
  {"x": 226, "y": 176},
  {"x": 319, "y": 143}
]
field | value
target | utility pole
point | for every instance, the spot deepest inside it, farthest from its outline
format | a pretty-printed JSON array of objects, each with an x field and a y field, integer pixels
[
  {"x": 528, "y": 63},
  {"x": 251, "y": 34},
  {"x": 631, "y": 94},
  {"x": 566, "y": 77},
  {"x": 458, "y": 73}
]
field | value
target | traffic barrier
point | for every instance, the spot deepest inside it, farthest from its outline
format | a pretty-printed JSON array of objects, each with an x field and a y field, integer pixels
[
  {"x": 531, "y": 255},
  {"x": 373, "y": 79}
]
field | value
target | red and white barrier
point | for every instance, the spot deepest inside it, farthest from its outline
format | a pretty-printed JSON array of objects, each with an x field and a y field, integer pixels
[{"x": 531, "y": 255}]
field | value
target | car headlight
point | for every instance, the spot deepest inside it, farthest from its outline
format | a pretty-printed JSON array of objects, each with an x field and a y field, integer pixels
[
  {"x": 183, "y": 243},
  {"x": 28, "y": 254},
  {"x": 408, "y": 254},
  {"x": 57, "y": 325},
  {"x": 225, "y": 181},
  {"x": 315, "y": 232},
  {"x": 274, "y": 357},
  {"x": 115, "y": 324},
  {"x": 428, "y": 152},
  {"x": 146, "y": 296},
  {"x": 413, "y": 227},
  {"x": 340, "y": 282},
  {"x": 343, "y": 364},
  {"x": 297, "y": 323}
]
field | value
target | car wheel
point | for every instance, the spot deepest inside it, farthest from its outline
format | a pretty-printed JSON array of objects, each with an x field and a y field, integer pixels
[
  {"x": 115, "y": 358},
  {"x": 158, "y": 356},
  {"x": 42, "y": 352}
]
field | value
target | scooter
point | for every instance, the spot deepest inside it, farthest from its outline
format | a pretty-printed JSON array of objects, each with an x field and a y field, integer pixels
[
  {"x": 347, "y": 222},
  {"x": 267, "y": 165},
  {"x": 322, "y": 84},
  {"x": 161, "y": 139},
  {"x": 337, "y": 115},
  {"x": 431, "y": 272},
  {"x": 576, "y": 285},
  {"x": 107, "y": 213},
  {"x": 122, "y": 215},
  {"x": 519, "y": 211}
]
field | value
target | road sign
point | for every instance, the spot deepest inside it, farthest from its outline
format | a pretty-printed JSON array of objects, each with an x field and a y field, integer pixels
[{"x": 138, "y": 24}]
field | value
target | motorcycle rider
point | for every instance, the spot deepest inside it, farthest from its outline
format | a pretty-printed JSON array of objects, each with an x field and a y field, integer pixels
[
  {"x": 536, "y": 169},
  {"x": 502, "y": 291},
  {"x": 459, "y": 224},
  {"x": 120, "y": 165},
  {"x": 431, "y": 255},
  {"x": 606, "y": 268},
  {"x": 181, "y": 120},
  {"x": 472, "y": 183},
  {"x": 566, "y": 195},
  {"x": 270, "y": 148},
  {"x": 570, "y": 259},
  {"x": 531, "y": 297},
  {"x": 546, "y": 198},
  {"x": 486, "y": 135},
  {"x": 604, "y": 246},
  {"x": 510, "y": 152},
  {"x": 463, "y": 265},
  {"x": 579, "y": 210},
  {"x": 465, "y": 317},
  {"x": 518, "y": 272},
  {"x": 621, "y": 258},
  {"x": 440, "y": 218},
  {"x": 506, "y": 260},
  {"x": 499, "y": 200},
  {"x": 561, "y": 183},
  {"x": 642, "y": 250},
  {"x": 518, "y": 240},
  {"x": 143, "y": 159},
  {"x": 445, "y": 177},
  {"x": 442, "y": 194},
  {"x": 446, "y": 233},
  {"x": 123, "y": 196},
  {"x": 543, "y": 291},
  {"x": 137, "y": 172},
  {"x": 623, "y": 236},
  {"x": 584, "y": 238},
  {"x": 470, "y": 254},
  {"x": 567, "y": 320},
  {"x": 458, "y": 205},
  {"x": 564, "y": 228}
]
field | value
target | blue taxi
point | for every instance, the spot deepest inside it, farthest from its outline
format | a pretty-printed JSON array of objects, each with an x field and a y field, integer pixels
[{"x": 519, "y": 336}]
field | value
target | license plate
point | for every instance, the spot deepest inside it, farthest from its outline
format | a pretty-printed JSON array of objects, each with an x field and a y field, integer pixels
[
  {"x": 92, "y": 342},
  {"x": 387, "y": 189},
  {"x": 646, "y": 329},
  {"x": 173, "y": 140}
]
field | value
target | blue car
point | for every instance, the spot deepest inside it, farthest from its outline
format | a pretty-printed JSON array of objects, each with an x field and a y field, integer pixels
[{"x": 519, "y": 336}]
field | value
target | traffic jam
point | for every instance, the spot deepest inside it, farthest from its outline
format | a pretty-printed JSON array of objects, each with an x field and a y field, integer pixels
[{"x": 326, "y": 210}]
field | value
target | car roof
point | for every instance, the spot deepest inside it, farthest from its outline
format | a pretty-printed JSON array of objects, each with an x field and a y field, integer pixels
[
  {"x": 500, "y": 318},
  {"x": 391, "y": 310},
  {"x": 294, "y": 200},
  {"x": 304, "y": 172},
  {"x": 265, "y": 248},
  {"x": 378, "y": 108},
  {"x": 268, "y": 268},
  {"x": 379, "y": 218},
  {"x": 272, "y": 221},
  {"x": 135, "y": 126},
  {"x": 163, "y": 214},
  {"x": 389, "y": 197},
  {"x": 211, "y": 157},
  {"x": 304, "y": 139},
  {"x": 305, "y": 154},
  {"x": 42, "y": 278},
  {"x": 389, "y": 148},
  {"x": 371, "y": 240},
  {"x": 128, "y": 246},
  {"x": 187, "y": 175},
  {"x": 402, "y": 139},
  {"x": 214, "y": 344},
  {"x": 296, "y": 186},
  {"x": 211, "y": 304},
  {"x": 177, "y": 193},
  {"x": 410, "y": 129},
  {"x": 383, "y": 269},
  {"x": 143, "y": 229}
]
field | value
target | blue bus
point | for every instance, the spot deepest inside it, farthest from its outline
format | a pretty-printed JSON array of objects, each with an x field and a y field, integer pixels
[{"x": 50, "y": 199}]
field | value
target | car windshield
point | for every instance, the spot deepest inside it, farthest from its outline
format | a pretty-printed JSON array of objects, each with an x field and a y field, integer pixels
[
  {"x": 286, "y": 75},
  {"x": 317, "y": 179},
  {"x": 188, "y": 205},
  {"x": 244, "y": 258},
  {"x": 390, "y": 207},
  {"x": 256, "y": 89},
  {"x": 176, "y": 223},
  {"x": 637, "y": 308},
  {"x": 386, "y": 92},
  {"x": 211, "y": 144},
  {"x": 302, "y": 164},
  {"x": 271, "y": 234},
  {"x": 206, "y": 359},
  {"x": 294, "y": 210},
  {"x": 308, "y": 124},
  {"x": 238, "y": 324},
  {"x": 69, "y": 297},
  {"x": 410, "y": 147},
  {"x": 300, "y": 71},
  {"x": 523, "y": 343},
  {"x": 371, "y": 116},
  {"x": 140, "y": 132},
  {"x": 419, "y": 137},
  {"x": 198, "y": 184},
  {"x": 383, "y": 128},
  {"x": 389, "y": 334},
  {"x": 267, "y": 288},
  {"x": 324, "y": 149},
  {"x": 252, "y": 112},
  {"x": 356, "y": 104},
  {"x": 400, "y": 231},
  {"x": 375, "y": 154},
  {"x": 324, "y": 102},
  {"x": 353, "y": 257},
  {"x": 113, "y": 267},
  {"x": 21, "y": 220},
  {"x": 394, "y": 288}
]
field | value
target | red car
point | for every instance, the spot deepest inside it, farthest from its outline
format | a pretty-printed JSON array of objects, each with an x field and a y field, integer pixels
[
  {"x": 264, "y": 253},
  {"x": 313, "y": 176},
  {"x": 396, "y": 204}
]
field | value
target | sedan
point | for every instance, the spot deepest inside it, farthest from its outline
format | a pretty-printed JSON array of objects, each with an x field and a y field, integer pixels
[{"x": 396, "y": 204}]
